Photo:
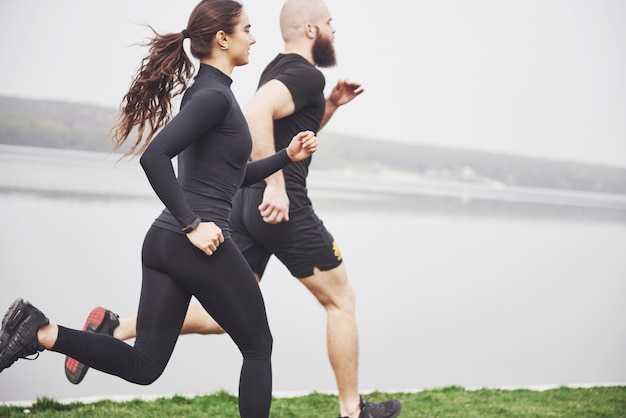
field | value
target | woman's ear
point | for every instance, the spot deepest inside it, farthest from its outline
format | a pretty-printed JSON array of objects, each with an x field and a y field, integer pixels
[{"x": 222, "y": 39}]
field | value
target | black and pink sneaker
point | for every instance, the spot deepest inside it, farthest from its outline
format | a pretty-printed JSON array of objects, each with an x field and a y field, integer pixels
[{"x": 100, "y": 320}]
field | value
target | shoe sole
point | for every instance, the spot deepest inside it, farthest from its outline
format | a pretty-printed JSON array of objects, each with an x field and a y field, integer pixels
[{"x": 74, "y": 370}]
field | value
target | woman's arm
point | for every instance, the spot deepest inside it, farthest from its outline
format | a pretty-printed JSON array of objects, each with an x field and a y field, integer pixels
[
  {"x": 200, "y": 113},
  {"x": 302, "y": 146}
]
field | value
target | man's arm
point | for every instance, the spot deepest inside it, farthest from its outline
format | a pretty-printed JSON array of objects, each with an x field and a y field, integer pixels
[
  {"x": 343, "y": 92},
  {"x": 270, "y": 102}
]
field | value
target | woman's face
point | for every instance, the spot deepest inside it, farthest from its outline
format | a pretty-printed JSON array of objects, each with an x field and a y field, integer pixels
[{"x": 240, "y": 41}]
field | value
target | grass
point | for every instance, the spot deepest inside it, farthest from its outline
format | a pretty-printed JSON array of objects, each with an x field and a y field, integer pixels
[{"x": 446, "y": 402}]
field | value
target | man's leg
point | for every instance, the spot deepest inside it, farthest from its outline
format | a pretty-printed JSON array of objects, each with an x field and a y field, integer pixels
[
  {"x": 197, "y": 321},
  {"x": 332, "y": 290}
]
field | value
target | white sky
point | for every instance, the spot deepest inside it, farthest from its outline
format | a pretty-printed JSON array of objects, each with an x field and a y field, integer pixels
[{"x": 535, "y": 77}]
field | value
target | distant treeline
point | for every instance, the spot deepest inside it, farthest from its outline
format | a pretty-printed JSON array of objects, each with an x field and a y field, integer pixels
[{"x": 56, "y": 124}]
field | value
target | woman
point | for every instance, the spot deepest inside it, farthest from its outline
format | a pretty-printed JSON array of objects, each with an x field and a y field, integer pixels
[{"x": 188, "y": 250}]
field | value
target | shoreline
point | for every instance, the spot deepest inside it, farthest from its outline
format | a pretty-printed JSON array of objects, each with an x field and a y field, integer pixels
[{"x": 107, "y": 178}]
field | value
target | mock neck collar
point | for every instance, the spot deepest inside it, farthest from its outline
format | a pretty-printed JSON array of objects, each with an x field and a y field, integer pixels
[{"x": 210, "y": 70}]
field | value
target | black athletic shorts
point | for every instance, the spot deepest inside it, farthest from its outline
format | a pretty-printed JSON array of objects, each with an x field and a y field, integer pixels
[{"x": 300, "y": 244}]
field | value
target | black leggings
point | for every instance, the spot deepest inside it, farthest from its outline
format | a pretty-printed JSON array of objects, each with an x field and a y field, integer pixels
[{"x": 174, "y": 271}]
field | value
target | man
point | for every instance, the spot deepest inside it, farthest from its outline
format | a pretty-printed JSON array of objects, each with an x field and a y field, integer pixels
[{"x": 276, "y": 217}]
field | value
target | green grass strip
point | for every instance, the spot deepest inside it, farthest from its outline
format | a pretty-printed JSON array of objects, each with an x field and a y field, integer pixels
[{"x": 449, "y": 402}]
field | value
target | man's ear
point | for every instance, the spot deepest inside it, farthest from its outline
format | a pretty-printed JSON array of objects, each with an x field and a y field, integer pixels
[{"x": 310, "y": 30}]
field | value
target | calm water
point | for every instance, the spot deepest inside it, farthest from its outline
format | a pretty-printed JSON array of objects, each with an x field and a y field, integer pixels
[{"x": 443, "y": 298}]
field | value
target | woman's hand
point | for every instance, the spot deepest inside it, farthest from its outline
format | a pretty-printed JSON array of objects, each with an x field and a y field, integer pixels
[
  {"x": 207, "y": 237},
  {"x": 302, "y": 146}
]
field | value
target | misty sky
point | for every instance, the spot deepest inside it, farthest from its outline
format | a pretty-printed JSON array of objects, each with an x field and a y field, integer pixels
[{"x": 536, "y": 77}]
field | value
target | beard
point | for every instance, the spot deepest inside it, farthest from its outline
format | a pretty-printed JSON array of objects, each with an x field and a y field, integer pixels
[{"x": 323, "y": 52}]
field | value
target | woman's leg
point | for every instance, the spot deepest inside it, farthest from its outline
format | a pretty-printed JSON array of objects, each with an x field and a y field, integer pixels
[
  {"x": 224, "y": 284},
  {"x": 162, "y": 307},
  {"x": 243, "y": 317}
]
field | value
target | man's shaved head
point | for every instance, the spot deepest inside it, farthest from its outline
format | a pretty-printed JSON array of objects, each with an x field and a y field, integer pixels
[{"x": 295, "y": 14}]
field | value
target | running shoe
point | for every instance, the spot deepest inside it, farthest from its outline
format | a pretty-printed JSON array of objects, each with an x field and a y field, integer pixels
[
  {"x": 100, "y": 320},
  {"x": 18, "y": 338},
  {"x": 387, "y": 409}
]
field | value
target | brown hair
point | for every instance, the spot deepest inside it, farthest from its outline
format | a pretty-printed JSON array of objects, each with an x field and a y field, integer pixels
[{"x": 165, "y": 72}]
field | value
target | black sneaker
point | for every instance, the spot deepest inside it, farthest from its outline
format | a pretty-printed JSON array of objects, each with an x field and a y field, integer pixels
[
  {"x": 18, "y": 338},
  {"x": 100, "y": 320},
  {"x": 387, "y": 409}
]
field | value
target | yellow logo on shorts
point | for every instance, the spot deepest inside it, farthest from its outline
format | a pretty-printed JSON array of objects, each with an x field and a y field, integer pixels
[{"x": 336, "y": 250}]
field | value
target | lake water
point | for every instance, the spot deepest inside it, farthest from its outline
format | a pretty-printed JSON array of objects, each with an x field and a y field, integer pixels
[{"x": 450, "y": 291}]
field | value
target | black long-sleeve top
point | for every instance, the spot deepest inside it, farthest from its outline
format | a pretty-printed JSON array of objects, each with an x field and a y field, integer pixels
[{"x": 211, "y": 138}]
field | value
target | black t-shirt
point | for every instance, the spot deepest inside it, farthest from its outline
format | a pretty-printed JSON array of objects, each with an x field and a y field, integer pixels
[
  {"x": 306, "y": 84},
  {"x": 211, "y": 138}
]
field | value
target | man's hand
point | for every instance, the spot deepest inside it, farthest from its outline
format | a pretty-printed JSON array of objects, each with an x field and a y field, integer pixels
[
  {"x": 275, "y": 205},
  {"x": 344, "y": 91}
]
